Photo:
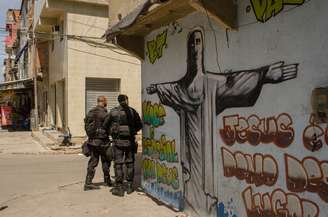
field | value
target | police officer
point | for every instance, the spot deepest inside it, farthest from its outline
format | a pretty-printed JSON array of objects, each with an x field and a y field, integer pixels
[
  {"x": 98, "y": 143},
  {"x": 123, "y": 123}
]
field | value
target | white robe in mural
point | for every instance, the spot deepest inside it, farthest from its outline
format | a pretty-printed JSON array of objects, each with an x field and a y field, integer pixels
[{"x": 198, "y": 126}]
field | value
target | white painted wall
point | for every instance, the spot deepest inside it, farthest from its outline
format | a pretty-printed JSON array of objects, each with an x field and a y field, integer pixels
[
  {"x": 72, "y": 61},
  {"x": 57, "y": 75},
  {"x": 85, "y": 61},
  {"x": 292, "y": 36}
]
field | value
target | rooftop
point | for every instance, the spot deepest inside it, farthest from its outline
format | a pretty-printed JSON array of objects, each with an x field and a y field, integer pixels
[{"x": 153, "y": 14}]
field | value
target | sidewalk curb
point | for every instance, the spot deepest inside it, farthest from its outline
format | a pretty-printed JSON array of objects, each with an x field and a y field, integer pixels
[
  {"x": 38, "y": 140},
  {"x": 51, "y": 146}
]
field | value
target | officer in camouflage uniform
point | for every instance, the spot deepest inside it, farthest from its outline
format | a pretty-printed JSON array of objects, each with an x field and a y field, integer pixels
[
  {"x": 123, "y": 123},
  {"x": 98, "y": 142}
]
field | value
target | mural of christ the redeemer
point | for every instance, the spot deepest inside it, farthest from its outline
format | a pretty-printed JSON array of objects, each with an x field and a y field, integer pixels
[{"x": 198, "y": 97}]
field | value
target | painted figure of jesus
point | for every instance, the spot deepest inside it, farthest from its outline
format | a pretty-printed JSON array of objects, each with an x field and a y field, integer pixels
[{"x": 198, "y": 98}]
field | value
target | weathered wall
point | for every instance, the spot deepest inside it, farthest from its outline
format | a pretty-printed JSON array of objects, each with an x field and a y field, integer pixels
[
  {"x": 72, "y": 61},
  {"x": 234, "y": 109},
  {"x": 58, "y": 75},
  {"x": 90, "y": 61}
]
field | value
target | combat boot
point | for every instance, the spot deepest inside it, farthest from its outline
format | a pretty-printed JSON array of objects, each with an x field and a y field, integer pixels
[
  {"x": 88, "y": 183},
  {"x": 118, "y": 190},
  {"x": 129, "y": 189},
  {"x": 88, "y": 187},
  {"x": 108, "y": 181}
]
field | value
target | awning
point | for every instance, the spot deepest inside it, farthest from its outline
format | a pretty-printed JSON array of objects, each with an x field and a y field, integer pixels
[
  {"x": 21, "y": 52},
  {"x": 129, "y": 33}
]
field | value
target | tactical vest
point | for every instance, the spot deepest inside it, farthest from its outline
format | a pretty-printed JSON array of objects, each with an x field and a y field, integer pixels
[
  {"x": 94, "y": 123},
  {"x": 120, "y": 128}
]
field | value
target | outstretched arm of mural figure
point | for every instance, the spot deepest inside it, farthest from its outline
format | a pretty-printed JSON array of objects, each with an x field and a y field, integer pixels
[
  {"x": 175, "y": 95},
  {"x": 279, "y": 72},
  {"x": 242, "y": 88}
]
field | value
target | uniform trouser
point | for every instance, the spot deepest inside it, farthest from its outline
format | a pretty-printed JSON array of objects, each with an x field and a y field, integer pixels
[
  {"x": 123, "y": 155},
  {"x": 96, "y": 153}
]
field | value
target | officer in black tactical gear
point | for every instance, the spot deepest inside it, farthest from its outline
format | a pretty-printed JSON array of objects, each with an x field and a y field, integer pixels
[
  {"x": 98, "y": 142},
  {"x": 123, "y": 123}
]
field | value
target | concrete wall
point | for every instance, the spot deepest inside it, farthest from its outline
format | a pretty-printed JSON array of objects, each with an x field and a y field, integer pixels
[
  {"x": 89, "y": 61},
  {"x": 58, "y": 76},
  {"x": 71, "y": 61},
  {"x": 234, "y": 108}
]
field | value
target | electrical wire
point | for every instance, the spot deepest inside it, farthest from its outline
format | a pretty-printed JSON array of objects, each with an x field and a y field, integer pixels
[
  {"x": 84, "y": 38},
  {"x": 66, "y": 35},
  {"x": 4, "y": 29},
  {"x": 85, "y": 24},
  {"x": 284, "y": 11},
  {"x": 92, "y": 43},
  {"x": 112, "y": 58},
  {"x": 101, "y": 45}
]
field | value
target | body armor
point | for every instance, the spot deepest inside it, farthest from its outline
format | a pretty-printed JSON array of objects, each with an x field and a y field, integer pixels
[
  {"x": 94, "y": 123},
  {"x": 120, "y": 127}
]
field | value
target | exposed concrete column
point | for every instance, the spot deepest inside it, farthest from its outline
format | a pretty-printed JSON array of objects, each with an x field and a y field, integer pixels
[{"x": 34, "y": 73}]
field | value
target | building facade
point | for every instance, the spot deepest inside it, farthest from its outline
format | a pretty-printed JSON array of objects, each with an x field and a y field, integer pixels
[
  {"x": 12, "y": 26},
  {"x": 234, "y": 104},
  {"x": 16, "y": 92},
  {"x": 75, "y": 65}
]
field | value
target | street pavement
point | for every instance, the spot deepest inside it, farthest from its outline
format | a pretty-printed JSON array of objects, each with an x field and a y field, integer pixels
[
  {"x": 36, "y": 184},
  {"x": 19, "y": 143}
]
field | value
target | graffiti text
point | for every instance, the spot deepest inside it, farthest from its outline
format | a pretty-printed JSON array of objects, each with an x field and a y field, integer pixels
[
  {"x": 314, "y": 136},
  {"x": 265, "y": 9},
  {"x": 155, "y": 47},
  {"x": 257, "y": 169},
  {"x": 278, "y": 204},
  {"x": 153, "y": 114},
  {"x": 277, "y": 130},
  {"x": 310, "y": 174},
  {"x": 226, "y": 210},
  {"x": 173, "y": 197},
  {"x": 164, "y": 174},
  {"x": 162, "y": 149}
]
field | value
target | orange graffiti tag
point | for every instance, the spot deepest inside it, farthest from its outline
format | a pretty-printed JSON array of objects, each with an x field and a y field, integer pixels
[
  {"x": 254, "y": 130},
  {"x": 257, "y": 169},
  {"x": 310, "y": 174},
  {"x": 278, "y": 204}
]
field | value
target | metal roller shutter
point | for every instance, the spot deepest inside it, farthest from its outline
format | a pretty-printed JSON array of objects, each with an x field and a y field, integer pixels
[{"x": 101, "y": 87}]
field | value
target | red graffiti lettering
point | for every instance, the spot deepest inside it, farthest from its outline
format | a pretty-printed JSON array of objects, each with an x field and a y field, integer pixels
[
  {"x": 278, "y": 204},
  {"x": 314, "y": 136},
  {"x": 326, "y": 137},
  {"x": 310, "y": 174},
  {"x": 277, "y": 130},
  {"x": 257, "y": 169}
]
